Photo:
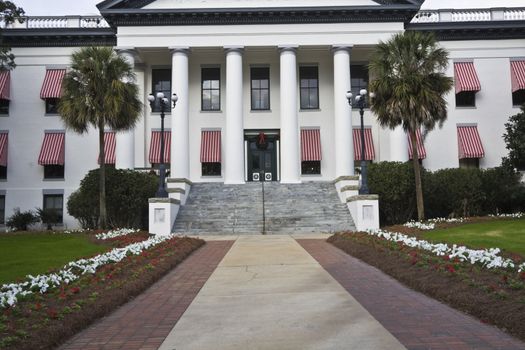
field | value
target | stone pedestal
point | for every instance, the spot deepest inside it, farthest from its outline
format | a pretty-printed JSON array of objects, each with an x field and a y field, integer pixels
[
  {"x": 365, "y": 211},
  {"x": 178, "y": 189},
  {"x": 162, "y": 214}
]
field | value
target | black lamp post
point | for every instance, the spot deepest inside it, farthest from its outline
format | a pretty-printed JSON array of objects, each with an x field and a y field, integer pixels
[
  {"x": 360, "y": 102},
  {"x": 164, "y": 104}
]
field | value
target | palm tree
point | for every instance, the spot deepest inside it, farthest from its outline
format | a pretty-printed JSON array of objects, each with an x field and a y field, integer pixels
[
  {"x": 409, "y": 85},
  {"x": 99, "y": 91}
]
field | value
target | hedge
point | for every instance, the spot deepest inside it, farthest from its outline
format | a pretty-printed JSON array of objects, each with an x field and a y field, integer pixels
[
  {"x": 447, "y": 192},
  {"x": 127, "y": 194}
]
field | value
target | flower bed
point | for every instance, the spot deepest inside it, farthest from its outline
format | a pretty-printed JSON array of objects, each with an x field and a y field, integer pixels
[
  {"x": 480, "y": 282},
  {"x": 45, "y": 310}
]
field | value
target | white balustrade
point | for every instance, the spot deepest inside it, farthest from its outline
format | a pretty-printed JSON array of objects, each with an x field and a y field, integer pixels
[
  {"x": 514, "y": 15},
  {"x": 426, "y": 17},
  {"x": 44, "y": 22},
  {"x": 471, "y": 16}
]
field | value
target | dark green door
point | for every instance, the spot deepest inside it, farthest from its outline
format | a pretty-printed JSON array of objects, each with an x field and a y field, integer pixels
[{"x": 262, "y": 159}]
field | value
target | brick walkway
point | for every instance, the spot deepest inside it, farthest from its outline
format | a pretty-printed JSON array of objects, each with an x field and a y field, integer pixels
[
  {"x": 144, "y": 322},
  {"x": 417, "y": 321}
]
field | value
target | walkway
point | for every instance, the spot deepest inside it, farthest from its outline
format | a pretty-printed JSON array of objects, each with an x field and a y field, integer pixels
[
  {"x": 275, "y": 292},
  {"x": 144, "y": 322},
  {"x": 269, "y": 293}
]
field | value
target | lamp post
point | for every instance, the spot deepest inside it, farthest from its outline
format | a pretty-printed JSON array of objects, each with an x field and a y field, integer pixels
[
  {"x": 360, "y": 102},
  {"x": 164, "y": 103}
]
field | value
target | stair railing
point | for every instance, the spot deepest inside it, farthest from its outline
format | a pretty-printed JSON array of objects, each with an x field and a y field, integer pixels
[{"x": 263, "y": 208}]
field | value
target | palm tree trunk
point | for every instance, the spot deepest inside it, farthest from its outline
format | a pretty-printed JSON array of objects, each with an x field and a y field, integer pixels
[
  {"x": 417, "y": 176},
  {"x": 102, "y": 179}
]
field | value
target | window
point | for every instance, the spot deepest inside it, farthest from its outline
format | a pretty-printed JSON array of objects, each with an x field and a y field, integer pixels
[
  {"x": 2, "y": 209},
  {"x": 309, "y": 84},
  {"x": 469, "y": 163},
  {"x": 4, "y": 106},
  {"x": 358, "y": 78},
  {"x": 160, "y": 82},
  {"x": 311, "y": 167},
  {"x": 53, "y": 171},
  {"x": 260, "y": 88},
  {"x": 518, "y": 98},
  {"x": 211, "y": 89},
  {"x": 211, "y": 169},
  {"x": 3, "y": 172},
  {"x": 55, "y": 202},
  {"x": 466, "y": 99},
  {"x": 52, "y": 105}
]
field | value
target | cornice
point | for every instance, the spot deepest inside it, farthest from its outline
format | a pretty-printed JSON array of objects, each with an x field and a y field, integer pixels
[
  {"x": 58, "y": 37},
  {"x": 275, "y": 15},
  {"x": 486, "y": 30}
]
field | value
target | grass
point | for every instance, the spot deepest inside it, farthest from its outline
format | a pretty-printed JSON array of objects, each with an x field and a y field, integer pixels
[
  {"x": 23, "y": 254},
  {"x": 508, "y": 235}
]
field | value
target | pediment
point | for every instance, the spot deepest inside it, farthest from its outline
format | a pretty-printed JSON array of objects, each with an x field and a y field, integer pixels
[{"x": 234, "y": 4}]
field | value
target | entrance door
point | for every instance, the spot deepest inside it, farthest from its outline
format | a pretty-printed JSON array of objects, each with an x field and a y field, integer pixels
[{"x": 262, "y": 158}]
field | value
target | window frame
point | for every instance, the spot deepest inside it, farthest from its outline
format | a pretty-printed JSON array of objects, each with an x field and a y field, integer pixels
[
  {"x": 3, "y": 172},
  {"x": 356, "y": 88},
  {"x": 308, "y": 88},
  {"x": 315, "y": 164},
  {"x": 2, "y": 209},
  {"x": 518, "y": 98},
  {"x": 466, "y": 95},
  {"x": 61, "y": 213},
  {"x": 51, "y": 108},
  {"x": 211, "y": 169},
  {"x": 469, "y": 163},
  {"x": 167, "y": 92},
  {"x": 210, "y": 89},
  {"x": 54, "y": 172},
  {"x": 259, "y": 89},
  {"x": 4, "y": 107}
]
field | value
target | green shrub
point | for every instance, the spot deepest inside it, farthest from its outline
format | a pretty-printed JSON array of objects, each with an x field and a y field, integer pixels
[
  {"x": 19, "y": 221},
  {"x": 504, "y": 192},
  {"x": 127, "y": 194},
  {"x": 48, "y": 216},
  {"x": 394, "y": 183},
  {"x": 447, "y": 192}
]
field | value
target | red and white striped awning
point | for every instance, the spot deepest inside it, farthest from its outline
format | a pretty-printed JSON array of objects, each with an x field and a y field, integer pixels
[
  {"x": 52, "y": 151},
  {"x": 110, "y": 144},
  {"x": 52, "y": 86},
  {"x": 421, "y": 152},
  {"x": 310, "y": 145},
  {"x": 469, "y": 142},
  {"x": 370, "y": 153},
  {"x": 211, "y": 146},
  {"x": 5, "y": 82},
  {"x": 517, "y": 75},
  {"x": 466, "y": 78},
  {"x": 3, "y": 149},
  {"x": 154, "y": 147}
]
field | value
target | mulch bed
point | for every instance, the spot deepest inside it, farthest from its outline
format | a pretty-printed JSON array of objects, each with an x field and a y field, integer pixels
[
  {"x": 44, "y": 321},
  {"x": 494, "y": 296}
]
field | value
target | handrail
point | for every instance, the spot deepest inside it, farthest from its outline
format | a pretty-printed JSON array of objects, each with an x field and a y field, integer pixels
[
  {"x": 45, "y": 22},
  {"x": 470, "y": 15}
]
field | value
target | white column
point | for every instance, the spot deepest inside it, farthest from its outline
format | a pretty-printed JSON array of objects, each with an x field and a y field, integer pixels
[
  {"x": 125, "y": 140},
  {"x": 398, "y": 145},
  {"x": 344, "y": 146},
  {"x": 234, "y": 133},
  {"x": 180, "y": 144},
  {"x": 290, "y": 151}
]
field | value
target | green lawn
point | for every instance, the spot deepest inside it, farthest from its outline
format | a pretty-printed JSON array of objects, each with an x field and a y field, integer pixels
[
  {"x": 508, "y": 235},
  {"x": 37, "y": 253}
]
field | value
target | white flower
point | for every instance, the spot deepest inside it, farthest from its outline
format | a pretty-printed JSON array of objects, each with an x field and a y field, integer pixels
[{"x": 116, "y": 233}]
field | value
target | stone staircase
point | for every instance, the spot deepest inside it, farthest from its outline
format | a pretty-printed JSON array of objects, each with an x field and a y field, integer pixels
[{"x": 215, "y": 208}]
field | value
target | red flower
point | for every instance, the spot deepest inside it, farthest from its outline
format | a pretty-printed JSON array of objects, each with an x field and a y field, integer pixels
[
  {"x": 52, "y": 313},
  {"x": 38, "y": 306},
  {"x": 450, "y": 268},
  {"x": 75, "y": 290}
]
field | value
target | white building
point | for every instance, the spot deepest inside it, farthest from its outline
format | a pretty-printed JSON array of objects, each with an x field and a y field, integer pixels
[{"x": 261, "y": 87}]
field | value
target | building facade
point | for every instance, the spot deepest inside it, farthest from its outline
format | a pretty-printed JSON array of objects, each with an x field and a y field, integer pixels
[{"x": 261, "y": 91}]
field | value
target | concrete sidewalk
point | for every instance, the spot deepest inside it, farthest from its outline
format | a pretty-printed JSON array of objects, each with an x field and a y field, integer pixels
[{"x": 269, "y": 293}]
